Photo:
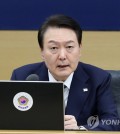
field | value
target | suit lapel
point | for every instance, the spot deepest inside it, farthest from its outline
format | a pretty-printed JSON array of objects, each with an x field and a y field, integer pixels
[{"x": 78, "y": 93}]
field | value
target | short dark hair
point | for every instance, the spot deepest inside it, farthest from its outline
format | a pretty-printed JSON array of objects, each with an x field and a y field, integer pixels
[{"x": 59, "y": 21}]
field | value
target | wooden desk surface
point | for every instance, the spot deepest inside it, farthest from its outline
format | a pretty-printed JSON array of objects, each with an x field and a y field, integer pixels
[{"x": 55, "y": 132}]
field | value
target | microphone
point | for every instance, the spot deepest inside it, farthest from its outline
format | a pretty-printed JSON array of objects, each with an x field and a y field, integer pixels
[{"x": 32, "y": 77}]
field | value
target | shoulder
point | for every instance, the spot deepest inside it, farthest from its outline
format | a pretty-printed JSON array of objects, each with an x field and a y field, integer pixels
[
  {"x": 22, "y": 72},
  {"x": 93, "y": 71},
  {"x": 28, "y": 67}
]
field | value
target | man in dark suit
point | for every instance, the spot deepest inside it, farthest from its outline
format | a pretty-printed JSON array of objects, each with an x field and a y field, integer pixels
[{"x": 88, "y": 99}]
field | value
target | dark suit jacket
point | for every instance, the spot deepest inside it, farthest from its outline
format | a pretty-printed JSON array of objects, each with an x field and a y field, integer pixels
[{"x": 96, "y": 100}]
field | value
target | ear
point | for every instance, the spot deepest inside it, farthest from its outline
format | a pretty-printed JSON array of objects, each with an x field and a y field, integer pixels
[
  {"x": 42, "y": 55},
  {"x": 80, "y": 49}
]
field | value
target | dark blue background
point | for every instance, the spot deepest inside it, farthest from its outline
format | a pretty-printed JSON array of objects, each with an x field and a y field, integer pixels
[{"x": 29, "y": 14}]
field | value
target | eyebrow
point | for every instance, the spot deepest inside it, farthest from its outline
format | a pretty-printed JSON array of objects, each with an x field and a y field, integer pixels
[{"x": 56, "y": 42}]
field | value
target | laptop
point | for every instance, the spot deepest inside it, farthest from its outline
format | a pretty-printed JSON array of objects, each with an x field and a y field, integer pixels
[{"x": 31, "y": 105}]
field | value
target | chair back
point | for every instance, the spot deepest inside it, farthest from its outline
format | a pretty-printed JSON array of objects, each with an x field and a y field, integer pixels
[{"x": 115, "y": 85}]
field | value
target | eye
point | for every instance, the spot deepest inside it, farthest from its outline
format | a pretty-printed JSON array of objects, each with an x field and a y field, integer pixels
[
  {"x": 54, "y": 49},
  {"x": 69, "y": 48}
]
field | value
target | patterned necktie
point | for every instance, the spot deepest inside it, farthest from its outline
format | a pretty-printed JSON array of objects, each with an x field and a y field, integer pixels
[{"x": 66, "y": 91}]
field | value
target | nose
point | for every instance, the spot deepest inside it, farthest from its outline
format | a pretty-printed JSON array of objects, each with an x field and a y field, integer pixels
[{"x": 62, "y": 54}]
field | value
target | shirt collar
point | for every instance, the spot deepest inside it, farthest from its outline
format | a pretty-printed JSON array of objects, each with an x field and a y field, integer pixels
[{"x": 67, "y": 82}]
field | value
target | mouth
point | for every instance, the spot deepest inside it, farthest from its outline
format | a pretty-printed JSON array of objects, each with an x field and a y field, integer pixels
[{"x": 62, "y": 66}]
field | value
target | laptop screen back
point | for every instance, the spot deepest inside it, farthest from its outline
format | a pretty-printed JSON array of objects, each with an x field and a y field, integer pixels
[{"x": 28, "y": 105}]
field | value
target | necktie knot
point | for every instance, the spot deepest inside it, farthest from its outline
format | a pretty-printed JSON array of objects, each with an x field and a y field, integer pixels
[{"x": 65, "y": 86}]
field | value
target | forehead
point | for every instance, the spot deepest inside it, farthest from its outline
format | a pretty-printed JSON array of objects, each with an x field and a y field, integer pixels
[{"x": 59, "y": 34}]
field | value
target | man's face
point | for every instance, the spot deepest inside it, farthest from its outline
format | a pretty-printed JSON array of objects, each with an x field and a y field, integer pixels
[{"x": 61, "y": 52}]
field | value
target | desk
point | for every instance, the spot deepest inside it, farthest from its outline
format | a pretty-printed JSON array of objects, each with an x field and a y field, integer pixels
[{"x": 55, "y": 132}]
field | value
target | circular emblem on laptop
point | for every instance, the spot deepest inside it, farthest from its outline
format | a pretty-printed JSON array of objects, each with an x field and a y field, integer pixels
[{"x": 23, "y": 101}]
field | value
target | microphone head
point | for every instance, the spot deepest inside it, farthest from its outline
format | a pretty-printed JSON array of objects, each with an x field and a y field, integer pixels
[{"x": 32, "y": 77}]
